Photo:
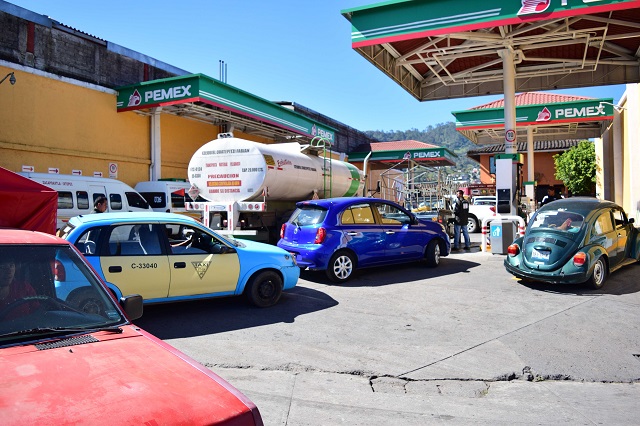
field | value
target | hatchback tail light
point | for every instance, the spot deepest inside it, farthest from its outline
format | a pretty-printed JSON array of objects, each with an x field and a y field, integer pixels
[
  {"x": 513, "y": 250},
  {"x": 321, "y": 233},
  {"x": 59, "y": 272},
  {"x": 579, "y": 259},
  {"x": 282, "y": 228}
]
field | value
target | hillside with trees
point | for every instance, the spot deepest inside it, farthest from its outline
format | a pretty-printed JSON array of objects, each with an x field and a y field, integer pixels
[{"x": 443, "y": 134}]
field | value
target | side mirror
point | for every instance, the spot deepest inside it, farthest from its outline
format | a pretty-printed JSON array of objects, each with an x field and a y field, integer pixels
[
  {"x": 631, "y": 220},
  {"x": 132, "y": 306}
]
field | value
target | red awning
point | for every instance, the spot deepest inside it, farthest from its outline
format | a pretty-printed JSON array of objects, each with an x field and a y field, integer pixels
[{"x": 26, "y": 204}]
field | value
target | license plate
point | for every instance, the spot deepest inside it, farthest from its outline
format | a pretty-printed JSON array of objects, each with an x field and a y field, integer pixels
[{"x": 543, "y": 255}]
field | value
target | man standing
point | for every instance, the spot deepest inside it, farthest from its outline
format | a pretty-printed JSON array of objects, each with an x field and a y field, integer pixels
[
  {"x": 551, "y": 196},
  {"x": 461, "y": 212}
]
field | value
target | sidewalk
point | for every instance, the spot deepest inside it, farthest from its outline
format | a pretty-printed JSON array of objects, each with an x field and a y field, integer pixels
[{"x": 310, "y": 398}]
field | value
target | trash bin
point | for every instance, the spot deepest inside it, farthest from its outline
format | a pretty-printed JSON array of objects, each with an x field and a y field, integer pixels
[{"x": 502, "y": 233}]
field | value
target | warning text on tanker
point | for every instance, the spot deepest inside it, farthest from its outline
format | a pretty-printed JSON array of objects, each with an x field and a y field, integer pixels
[{"x": 224, "y": 183}]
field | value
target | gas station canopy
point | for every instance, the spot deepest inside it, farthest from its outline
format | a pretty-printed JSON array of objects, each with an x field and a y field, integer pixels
[
  {"x": 205, "y": 99},
  {"x": 552, "y": 116},
  {"x": 417, "y": 152},
  {"x": 443, "y": 49}
]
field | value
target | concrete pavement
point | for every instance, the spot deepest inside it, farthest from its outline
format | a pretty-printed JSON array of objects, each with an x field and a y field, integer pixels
[{"x": 463, "y": 343}]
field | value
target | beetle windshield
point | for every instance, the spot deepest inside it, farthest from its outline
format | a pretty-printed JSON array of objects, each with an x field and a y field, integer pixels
[
  {"x": 557, "y": 220},
  {"x": 48, "y": 291}
]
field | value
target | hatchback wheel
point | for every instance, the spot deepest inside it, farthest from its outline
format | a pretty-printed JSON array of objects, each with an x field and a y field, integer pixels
[
  {"x": 432, "y": 255},
  {"x": 341, "y": 267},
  {"x": 599, "y": 274}
]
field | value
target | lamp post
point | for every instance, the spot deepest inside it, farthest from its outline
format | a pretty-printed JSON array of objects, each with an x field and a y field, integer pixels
[{"x": 12, "y": 78}]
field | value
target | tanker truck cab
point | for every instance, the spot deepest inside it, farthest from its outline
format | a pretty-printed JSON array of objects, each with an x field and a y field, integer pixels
[
  {"x": 77, "y": 194},
  {"x": 169, "y": 196}
]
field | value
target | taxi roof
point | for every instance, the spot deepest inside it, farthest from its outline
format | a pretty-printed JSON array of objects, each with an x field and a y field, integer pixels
[{"x": 130, "y": 217}]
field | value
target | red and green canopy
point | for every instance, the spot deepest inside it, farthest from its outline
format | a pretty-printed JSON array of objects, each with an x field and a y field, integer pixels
[
  {"x": 398, "y": 20},
  {"x": 537, "y": 115},
  {"x": 201, "y": 90}
]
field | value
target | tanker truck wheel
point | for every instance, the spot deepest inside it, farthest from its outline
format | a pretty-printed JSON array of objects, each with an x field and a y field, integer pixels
[
  {"x": 264, "y": 289},
  {"x": 341, "y": 267}
]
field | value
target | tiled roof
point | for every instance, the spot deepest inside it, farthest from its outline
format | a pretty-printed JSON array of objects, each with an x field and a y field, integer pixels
[
  {"x": 561, "y": 145},
  {"x": 533, "y": 98},
  {"x": 400, "y": 145}
]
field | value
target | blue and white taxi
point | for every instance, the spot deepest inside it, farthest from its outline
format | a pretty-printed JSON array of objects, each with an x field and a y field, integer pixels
[{"x": 168, "y": 257}]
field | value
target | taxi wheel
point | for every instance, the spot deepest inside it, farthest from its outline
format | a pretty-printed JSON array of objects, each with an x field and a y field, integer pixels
[
  {"x": 87, "y": 301},
  {"x": 599, "y": 274},
  {"x": 264, "y": 289}
]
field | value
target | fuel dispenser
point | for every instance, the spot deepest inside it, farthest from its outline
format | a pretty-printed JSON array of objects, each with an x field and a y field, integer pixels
[{"x": 508, "y": 183}]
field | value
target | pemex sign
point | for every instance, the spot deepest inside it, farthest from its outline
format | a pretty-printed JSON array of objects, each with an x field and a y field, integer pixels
[{"x": 537, "y": 115}]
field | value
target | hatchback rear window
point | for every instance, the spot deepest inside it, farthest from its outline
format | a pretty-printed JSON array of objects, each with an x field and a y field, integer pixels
[{"x": 306, "y": 216}]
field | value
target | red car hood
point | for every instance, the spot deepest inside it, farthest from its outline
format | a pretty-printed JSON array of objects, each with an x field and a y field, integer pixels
[{"x": 123, "y": 379}]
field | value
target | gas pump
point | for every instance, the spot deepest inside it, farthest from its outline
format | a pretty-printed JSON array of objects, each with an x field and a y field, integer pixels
[{"x": 508, "y": 182}]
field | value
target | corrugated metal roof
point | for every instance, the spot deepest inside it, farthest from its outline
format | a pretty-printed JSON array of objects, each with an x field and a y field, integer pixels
[
  {"x": 533, "y": 98},
  {"x": 400, "y": 145},
  {"x": 560, "y": 145}
]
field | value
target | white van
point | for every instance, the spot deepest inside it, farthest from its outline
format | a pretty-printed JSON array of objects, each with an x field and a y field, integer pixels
[
  {"x": 77, "y": 194},
  {"x": 167, "y": 196}
]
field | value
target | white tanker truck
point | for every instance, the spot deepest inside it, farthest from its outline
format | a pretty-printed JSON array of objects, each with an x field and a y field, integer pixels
[{"x": 251, "y": 188}]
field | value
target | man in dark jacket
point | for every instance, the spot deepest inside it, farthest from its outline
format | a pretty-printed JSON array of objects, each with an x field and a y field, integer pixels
[
  {"x": 461, "y": 212},
  {"x": 551, "y": 196}
]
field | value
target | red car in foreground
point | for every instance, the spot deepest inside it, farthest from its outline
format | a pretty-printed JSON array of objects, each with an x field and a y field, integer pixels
[{"x": 63, "y": 364}]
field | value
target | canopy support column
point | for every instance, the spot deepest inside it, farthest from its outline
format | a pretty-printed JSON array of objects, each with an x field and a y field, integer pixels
[
  {"x": 506, "y": 176},
  {"x": 155, "y": 172}
]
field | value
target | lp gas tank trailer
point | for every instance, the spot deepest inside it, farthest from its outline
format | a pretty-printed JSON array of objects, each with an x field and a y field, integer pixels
[{"x": 251, "y": 188}]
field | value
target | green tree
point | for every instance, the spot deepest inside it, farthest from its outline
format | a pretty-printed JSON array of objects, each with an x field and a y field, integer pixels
[{"x": 577, "y": 168}]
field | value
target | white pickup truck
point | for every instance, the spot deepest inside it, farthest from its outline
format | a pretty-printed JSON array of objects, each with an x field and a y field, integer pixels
[{"x": 481, "y": 207}]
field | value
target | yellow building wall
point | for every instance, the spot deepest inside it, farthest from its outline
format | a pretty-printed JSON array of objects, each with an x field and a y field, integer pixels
[
  {"x": 180, "y": 138},
  {"x": 49, "y": 123},
  {"x": 631, "y": 151}
]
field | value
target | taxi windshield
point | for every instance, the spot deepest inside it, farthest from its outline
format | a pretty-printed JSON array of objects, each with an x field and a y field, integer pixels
[
  {"x": 557, "y": 220},
  {"x": 48, "y": 290}
]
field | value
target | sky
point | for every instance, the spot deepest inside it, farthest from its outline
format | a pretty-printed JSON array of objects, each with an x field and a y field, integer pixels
[{"x": 281, "y": 50}]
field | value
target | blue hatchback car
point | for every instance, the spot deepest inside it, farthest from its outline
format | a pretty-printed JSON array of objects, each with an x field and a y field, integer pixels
[{"x": 340, "y": 235}]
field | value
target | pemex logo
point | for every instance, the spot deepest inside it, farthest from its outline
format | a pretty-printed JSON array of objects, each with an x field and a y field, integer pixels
[
  {"x": 314, "y": 130},
  {"x": 201, "y": 268},
  {"x": 544, "y": 115},
  {"x": 533, "y": 6},
  {"x": 135, "y": 98}
]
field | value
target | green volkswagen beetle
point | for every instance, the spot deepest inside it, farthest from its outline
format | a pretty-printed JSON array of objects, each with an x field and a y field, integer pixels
[{"x": 573, "y": 241}]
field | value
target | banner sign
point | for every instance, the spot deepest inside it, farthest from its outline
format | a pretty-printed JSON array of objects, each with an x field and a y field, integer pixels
[{"x": 398, "y": 20}]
